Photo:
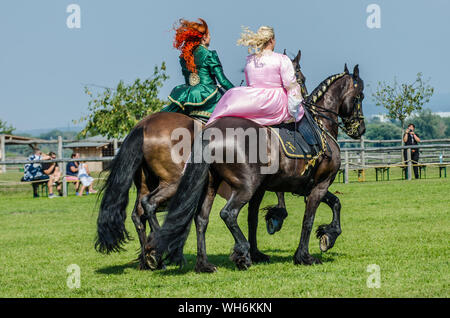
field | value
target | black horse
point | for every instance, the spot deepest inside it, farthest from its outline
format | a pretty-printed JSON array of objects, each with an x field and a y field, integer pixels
[{"x": 339, "y": 95}]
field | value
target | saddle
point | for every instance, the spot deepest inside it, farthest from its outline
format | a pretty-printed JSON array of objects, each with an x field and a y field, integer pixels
[{"x": 302, "y": 140}]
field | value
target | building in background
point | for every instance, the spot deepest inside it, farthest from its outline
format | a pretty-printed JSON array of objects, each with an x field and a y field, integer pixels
[{"x": 96, "y": 146}]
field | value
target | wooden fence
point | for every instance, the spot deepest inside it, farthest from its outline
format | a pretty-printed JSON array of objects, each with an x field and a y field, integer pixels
[{"x": 433, "y": 152}]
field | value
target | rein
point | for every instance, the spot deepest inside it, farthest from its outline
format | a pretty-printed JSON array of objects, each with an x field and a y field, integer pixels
[
  {"x": 349, "y": 126},
  {"x": 312, "y": 107}
]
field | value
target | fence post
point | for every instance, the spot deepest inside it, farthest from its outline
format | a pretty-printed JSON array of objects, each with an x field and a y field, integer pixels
[
  {"x": 115, "y": 146},
  {"x": 3, "y": 152},
  {"x": 346, "y": 168},
  {"x": 409, "y": 170},
  {"x": 363, "y": 161},
  {"x": 62, "y": 166}
]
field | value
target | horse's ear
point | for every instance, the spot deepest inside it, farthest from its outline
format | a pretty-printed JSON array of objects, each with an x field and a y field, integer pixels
[
  {"x": 346, "y": 69},
  {"x": 298, "y": 57},
  {"x": 284, "y": 52},
  {"x": 356, "y": 71}
]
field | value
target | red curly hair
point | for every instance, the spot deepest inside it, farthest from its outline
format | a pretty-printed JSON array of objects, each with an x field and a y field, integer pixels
[{"x": 188, "y": 35}]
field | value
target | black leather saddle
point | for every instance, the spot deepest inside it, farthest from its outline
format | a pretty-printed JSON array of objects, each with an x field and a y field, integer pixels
[{"x": 302, "y": 140}]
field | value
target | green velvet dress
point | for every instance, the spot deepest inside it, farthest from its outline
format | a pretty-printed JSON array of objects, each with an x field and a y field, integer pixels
[{"x": 199, "y": 95}]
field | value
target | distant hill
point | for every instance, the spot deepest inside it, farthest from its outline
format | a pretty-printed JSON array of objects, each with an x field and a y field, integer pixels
[{"x": 38, "y": 132}]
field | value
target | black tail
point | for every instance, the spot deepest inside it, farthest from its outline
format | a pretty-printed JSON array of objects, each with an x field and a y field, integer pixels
[
  {"x": 183, "y": 207},
  {"x": 111, "y": 231}
]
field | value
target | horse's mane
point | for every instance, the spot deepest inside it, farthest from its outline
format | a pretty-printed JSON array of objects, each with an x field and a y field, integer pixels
[{"x": 320, "y": 90}]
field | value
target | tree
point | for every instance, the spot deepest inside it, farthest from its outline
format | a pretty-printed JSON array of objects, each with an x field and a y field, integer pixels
[
  {"x": 382, "y": 131},
  {"x": 429, "y": 125},
  {"x": 447, "y": 124},
  {"x": 5, "y": 128},
  {"x": 401, "y": 100},
  {"x": 114, "y": 112}
]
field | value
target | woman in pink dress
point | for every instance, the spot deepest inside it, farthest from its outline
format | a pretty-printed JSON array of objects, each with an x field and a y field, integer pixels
[{"x": 272, "y": 95}]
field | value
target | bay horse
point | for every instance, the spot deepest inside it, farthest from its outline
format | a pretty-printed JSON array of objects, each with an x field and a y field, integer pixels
[
  {"x": 145, "y": 159},
  {"x": 339, "y": 95}
]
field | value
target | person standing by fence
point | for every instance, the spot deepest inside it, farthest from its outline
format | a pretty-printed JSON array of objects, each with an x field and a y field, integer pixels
[{"x": 411, "y": 139}]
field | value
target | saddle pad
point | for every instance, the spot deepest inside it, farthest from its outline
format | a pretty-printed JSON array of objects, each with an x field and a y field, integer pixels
[
  {"x": 301, "y": 143},
  {"x": 292, "y": 142}
]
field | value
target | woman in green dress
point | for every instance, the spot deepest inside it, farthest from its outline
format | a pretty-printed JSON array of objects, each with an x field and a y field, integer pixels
[{"x": 202, "y": 72}]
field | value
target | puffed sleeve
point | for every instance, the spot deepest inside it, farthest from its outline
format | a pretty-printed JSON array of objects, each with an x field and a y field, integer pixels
[
  {"x": 292, "y": 87},
  {"x": 215, "y": 66}
]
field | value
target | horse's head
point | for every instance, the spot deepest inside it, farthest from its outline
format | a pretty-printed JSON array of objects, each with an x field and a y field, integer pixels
[
  {"x": 301, "y": 79},
  {"x": 351, "y": 110}
]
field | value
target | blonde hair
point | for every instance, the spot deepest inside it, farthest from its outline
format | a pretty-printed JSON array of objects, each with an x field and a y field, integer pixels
[{"x": 256, "y": 41}]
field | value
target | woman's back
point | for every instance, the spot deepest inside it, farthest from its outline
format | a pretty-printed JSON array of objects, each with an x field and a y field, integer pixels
[
  {"x": 270, "y": 78},
  {"x": 264, "y": 70}
]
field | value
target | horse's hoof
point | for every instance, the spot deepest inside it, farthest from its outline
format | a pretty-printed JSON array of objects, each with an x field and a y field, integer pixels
[
  {"x": 152, "y": 261},
  {"x": 242, "y": 261},
  {"x": 258, "y": 257},
  {"x": 271, "y": 226},
  {"x": 143, "y": 266},
  {"x": 306, "y": 259},
  {"x": 242, "y": 265},
  {"x": 205, "y": 268},
  {"x": 142, "y": 262},
  {"x": 324, "y": 243}
]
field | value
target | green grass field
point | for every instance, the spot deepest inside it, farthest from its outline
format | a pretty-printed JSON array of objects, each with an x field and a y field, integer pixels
[{"x": 402, "y": 226}]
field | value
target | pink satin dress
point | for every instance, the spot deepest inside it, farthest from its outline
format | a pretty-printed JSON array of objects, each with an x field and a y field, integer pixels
[{"x": 270, "y": 80}]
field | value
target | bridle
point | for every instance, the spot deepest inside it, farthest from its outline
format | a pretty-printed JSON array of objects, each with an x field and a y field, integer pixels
[
  {"x": 353, "y": 123},
  {"x": 300, "y": 81},
  {"x": 350, "y": 125}
]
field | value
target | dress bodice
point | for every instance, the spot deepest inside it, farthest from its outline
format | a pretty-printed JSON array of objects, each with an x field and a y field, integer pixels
[
  {"x": 209, "y": 68},
  {"x": 272, "y": 94},
  {"x": 269, "y": 70},
  {"x": 200, "y": 93}
]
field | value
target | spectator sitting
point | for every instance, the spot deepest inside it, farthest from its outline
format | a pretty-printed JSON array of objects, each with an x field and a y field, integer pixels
[
  {"x": 33, "y": 171},
  {"x": 85, "y": 179},
  {"x": 72, "y": 171},
  {"x": 52, "y": 170}
]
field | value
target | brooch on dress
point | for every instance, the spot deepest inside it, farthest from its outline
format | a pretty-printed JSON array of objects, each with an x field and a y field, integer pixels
[{"x": 194, "y": 79}]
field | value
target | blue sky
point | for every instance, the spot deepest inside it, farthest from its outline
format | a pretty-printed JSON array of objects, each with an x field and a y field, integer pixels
[{"x": 44, "y": 65}]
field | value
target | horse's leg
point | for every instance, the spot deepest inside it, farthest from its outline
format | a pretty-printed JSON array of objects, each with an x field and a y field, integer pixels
[
  {"x": 253, "y": 209},
  {"x": 276, "y": 215},
  {"x": 302, "y": 255},
  {"x": 150, "y": 203},
  {"x": 281, "y": 202},
  {"x": 138, "y": 217},
  {"x": 150, "y": 206},
  {"x": 328, "y": 233},
  {"x": 201, "y": 224},
  {"x": 229, "y": 214},
  {"x": 152, "y": 200}
]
